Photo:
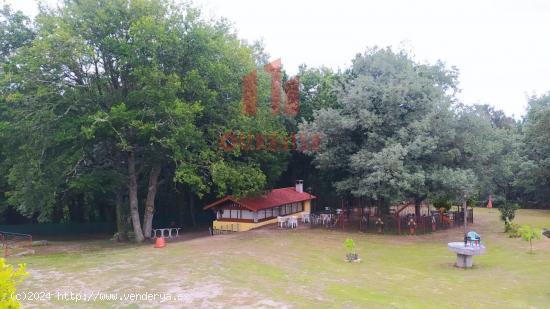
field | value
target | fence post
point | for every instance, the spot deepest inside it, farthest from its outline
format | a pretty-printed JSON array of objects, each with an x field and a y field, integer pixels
[{"x": 398, "y": 224}]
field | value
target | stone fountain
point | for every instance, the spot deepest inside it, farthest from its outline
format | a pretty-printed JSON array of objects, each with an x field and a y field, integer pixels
[{"x": 466, "y": 250}]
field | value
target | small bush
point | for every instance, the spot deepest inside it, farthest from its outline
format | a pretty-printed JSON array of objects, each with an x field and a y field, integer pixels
[
  {"x": 508, "y": 211},
  {"x": 352, "y": 255},
  {"x": 350, "y": 245},
  {"x": 513, "y": 229},
  {"x": 9, "y": 279}
]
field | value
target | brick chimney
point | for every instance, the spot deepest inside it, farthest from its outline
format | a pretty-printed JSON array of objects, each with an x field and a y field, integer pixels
[{"x": 300, "y": 186}]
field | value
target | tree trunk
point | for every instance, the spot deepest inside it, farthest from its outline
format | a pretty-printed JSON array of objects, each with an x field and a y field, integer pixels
[
  {"x": 121, "y": 219},
  {"x": 417, "y": 203},
  {"x": 192, "y": 208},
  {"x": 150, "y": 201},
  {"x": 133, "y": 196},
  {"x": 180, "y": 203}
]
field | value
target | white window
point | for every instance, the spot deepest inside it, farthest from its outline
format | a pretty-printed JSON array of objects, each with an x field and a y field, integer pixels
[
  {"x": 225, "y": 213},
  {"x": 261, "y": 214},
  {"x": 247, "y": 214}
]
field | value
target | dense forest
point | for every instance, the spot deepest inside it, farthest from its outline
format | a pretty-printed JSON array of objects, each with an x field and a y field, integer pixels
[{"x": 116, "y": 111}]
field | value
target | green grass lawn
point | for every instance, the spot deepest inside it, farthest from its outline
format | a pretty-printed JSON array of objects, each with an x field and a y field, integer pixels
[{"x": 272, "y": 268}]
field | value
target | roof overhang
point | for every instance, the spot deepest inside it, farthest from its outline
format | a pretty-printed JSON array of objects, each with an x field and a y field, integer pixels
[{"x": 223, "y": 200}]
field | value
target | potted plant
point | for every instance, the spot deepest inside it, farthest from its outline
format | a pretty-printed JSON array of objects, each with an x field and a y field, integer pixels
[{"x": 352, "y": 255}]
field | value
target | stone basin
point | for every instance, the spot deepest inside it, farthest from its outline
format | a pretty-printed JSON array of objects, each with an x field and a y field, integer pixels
[{"x": 464, "y": 254}]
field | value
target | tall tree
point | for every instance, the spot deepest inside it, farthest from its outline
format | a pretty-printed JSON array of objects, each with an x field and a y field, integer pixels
[
  {"x": 384, "y": 140},
  {"x": 127, "y": 89},
  {"x": 535, "y": 176}
]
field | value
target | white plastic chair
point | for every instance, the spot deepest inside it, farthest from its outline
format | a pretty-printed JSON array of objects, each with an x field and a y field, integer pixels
[
  {"x": 305, "y": 218},
  {"x": 325, "y": 218},
  {"x": 293, "y": 222},
  {"x": 316, "y": 219},
  {"x": 281, "y": 222}
]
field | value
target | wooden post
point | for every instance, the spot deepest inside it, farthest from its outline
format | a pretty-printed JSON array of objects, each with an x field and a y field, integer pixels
[
  {"x": 465, "y": 207},
  {"x": 398, "y": 224}
]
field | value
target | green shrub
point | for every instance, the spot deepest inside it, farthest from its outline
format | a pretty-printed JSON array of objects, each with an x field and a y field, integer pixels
[
  {"x": 9, "y": 279},
  {"x": 352, "y": 255},
  {"x": 350, "y": 245},
  {"x": 513, "y": 229},
  {"x": 508, "y": 211}
]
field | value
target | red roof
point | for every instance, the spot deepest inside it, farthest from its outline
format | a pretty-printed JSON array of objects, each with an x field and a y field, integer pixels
[{"x": 274, "y": 198}]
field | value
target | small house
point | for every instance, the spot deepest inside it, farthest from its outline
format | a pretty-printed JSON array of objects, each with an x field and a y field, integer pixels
[{"x": 247, "y": 213}]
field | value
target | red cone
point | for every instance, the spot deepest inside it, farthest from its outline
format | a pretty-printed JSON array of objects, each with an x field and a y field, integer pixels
[{"x": 160, "y": 243}]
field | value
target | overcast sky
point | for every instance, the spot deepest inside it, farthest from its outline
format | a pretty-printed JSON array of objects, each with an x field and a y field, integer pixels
[{"x": 501, "y": 47}]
